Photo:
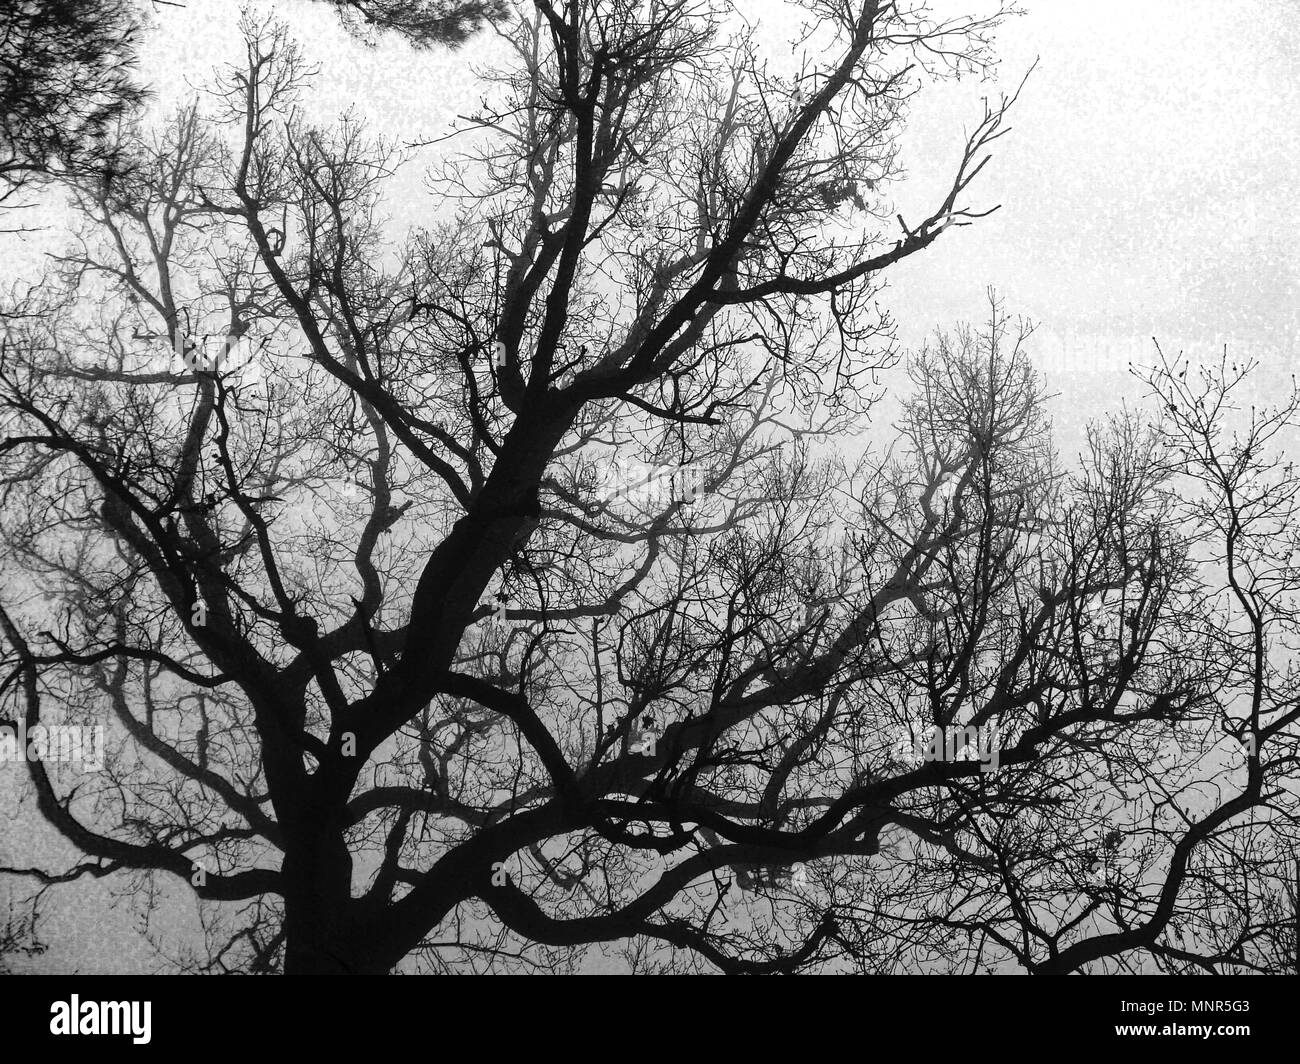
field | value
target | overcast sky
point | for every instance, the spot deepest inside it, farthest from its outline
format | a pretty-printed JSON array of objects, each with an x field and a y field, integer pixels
[{"x": 1145, "y": 190}]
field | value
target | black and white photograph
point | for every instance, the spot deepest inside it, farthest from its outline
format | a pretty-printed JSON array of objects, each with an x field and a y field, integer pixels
[{"x": 651, "y": 487}]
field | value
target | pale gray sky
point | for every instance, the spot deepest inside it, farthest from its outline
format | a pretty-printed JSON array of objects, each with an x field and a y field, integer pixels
[
  {"x": 1145, "y": 189},
  {"x": 1145, "y": 186}
]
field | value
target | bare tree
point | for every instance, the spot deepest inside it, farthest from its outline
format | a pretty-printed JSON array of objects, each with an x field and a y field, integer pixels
[{"x": 480, "y": 601}]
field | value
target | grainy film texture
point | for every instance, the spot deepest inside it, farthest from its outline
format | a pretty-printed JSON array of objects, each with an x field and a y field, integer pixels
[{"x": 638, "y": 486}]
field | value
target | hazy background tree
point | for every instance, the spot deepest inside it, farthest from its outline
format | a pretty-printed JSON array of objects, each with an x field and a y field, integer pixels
[{"x": 417, "y": 651}]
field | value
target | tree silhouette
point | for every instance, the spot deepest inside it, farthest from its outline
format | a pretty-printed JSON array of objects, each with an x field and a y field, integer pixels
[{"x": 417, "y": 652}]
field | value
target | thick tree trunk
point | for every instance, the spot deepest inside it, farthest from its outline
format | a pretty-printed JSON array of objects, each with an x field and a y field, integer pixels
[
  {"x": 322, "y": 926},
  {"x": 314, "y": 951}
]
